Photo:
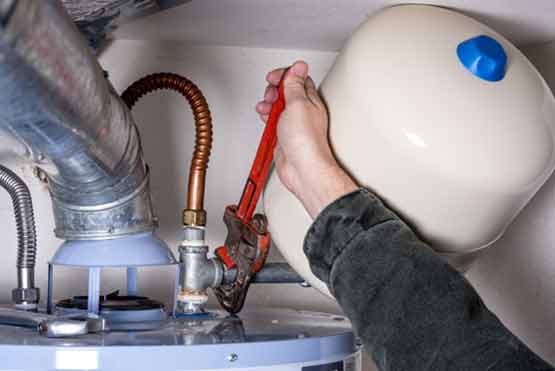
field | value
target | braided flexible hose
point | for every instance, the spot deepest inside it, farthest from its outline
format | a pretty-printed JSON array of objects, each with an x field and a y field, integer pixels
[
  {"x": 24, "y": 217},
  {"x": 203, "y": 124}
]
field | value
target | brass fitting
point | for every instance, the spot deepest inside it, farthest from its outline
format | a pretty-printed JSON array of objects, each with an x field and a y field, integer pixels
[{"x": 194, "y": 218}]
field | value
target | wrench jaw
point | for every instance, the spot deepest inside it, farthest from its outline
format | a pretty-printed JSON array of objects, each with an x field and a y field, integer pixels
[{"x": 246, "y": 249}]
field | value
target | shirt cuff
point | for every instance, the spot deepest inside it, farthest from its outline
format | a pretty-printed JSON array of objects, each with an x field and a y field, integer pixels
[{"x": 338, "y": 224}]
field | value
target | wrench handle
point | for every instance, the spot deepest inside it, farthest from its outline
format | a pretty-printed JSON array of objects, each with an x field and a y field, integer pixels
[{"x": 262, "y": 161}]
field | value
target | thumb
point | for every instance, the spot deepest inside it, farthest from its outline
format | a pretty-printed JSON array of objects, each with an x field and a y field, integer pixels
[{"x": 294, "y": 81}]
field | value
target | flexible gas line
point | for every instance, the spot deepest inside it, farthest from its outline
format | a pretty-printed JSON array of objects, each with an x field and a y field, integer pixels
[
  {"x": 26, "y": 295},
  {"x": 194, "y": 214}
]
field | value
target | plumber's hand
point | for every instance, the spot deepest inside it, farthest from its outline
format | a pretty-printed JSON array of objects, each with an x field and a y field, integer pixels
[{"x": 304, "y": 160}]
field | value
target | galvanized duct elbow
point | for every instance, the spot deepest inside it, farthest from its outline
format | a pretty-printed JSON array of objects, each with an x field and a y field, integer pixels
[{"x": 56, "y": 101}]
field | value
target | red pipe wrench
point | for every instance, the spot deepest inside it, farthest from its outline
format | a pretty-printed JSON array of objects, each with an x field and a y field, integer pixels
[{"x": 248, "y": 240}]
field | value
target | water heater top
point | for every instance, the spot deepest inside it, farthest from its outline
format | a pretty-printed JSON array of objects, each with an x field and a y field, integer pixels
[{"x": 257, "y": 339}]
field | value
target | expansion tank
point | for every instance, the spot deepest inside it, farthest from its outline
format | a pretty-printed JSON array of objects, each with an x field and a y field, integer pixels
[{"x": 440, "y": 116}]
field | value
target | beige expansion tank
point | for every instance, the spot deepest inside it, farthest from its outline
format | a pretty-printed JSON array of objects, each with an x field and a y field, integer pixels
[{"x": 426, "y": 113}]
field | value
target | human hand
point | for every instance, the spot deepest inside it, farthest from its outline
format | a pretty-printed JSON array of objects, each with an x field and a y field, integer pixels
[{"x": 304, "y": 161}]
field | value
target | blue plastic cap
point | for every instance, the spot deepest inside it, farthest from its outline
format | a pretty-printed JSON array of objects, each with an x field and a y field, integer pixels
[{"x": 484, "y": 57}]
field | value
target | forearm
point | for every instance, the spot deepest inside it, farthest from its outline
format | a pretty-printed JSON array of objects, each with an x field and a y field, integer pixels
[
  {"x": 331, "y": 182},
  {"x": 412, "y": 311}
]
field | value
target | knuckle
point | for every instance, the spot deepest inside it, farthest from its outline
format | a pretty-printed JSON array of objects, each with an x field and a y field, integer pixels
[
  {"x": 298, "y": 104},
  {"x": 295, "y": 81}
]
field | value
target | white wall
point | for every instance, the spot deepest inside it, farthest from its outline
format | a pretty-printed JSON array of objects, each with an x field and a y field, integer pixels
[{"x": 516, "y": 277}]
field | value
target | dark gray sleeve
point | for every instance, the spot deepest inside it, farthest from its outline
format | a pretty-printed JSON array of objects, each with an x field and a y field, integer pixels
[{"x": 411, "y": 309}]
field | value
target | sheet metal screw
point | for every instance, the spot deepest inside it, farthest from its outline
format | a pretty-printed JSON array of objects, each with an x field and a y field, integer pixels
[
  {"x": 232, "y": 357},
  {"x": 41, "y": 175}
]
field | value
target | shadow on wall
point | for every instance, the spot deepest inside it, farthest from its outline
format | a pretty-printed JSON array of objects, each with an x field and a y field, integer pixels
[{"x": 516, "y": 277}]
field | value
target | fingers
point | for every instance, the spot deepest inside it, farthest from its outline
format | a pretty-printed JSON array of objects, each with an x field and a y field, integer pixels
[
  {"x": 298, "y": 86},
  {"x": 294, "y": 82},
  {"x": 274, "y": 77},
  {"x": 311, "y": 91},
  {"x": 265, "y": 106},
  {"x": 271, "y": 94},
  {"x": 309, "y": 84},
  {"x": 263, "y": 109},
  {"x": 298, "y": 68}
]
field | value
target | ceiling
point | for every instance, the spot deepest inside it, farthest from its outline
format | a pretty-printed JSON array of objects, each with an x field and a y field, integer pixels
[{"x": 321, "y": 24}]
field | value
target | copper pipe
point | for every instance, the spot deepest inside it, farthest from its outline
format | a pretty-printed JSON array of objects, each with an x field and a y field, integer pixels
[{"x": 203, "y": 124}]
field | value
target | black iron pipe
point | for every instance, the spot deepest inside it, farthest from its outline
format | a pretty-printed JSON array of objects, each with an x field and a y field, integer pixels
[{"x": 270, "y": 273}]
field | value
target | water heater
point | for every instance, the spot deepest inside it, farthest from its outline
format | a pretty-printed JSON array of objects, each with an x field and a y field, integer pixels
[{"x": 443, "y": 118}]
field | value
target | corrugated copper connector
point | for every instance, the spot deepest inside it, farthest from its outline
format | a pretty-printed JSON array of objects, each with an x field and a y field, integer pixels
[{"x": 194, "y": 214}]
